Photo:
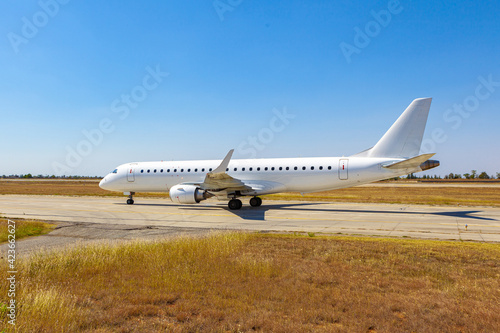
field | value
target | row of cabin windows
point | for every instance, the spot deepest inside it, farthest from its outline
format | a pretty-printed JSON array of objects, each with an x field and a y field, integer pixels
[
  {"x": 236, "y": 169},
  {"x": 175, "y": 170}
]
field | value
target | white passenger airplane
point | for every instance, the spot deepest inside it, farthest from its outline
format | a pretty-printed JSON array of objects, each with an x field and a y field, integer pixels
[{"x": 189, "y": 182}]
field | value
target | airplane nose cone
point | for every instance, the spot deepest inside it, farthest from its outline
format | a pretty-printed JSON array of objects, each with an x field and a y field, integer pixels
[{"x": 102, "y": 183}]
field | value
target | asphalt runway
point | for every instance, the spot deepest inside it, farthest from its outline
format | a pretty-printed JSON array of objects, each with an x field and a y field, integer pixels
[{"x": 96, "y": 218}]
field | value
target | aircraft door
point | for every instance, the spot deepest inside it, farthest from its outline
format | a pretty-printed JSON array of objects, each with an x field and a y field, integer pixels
[
  {"x": 343, "y": 173},
  {"x": 130, "y": 174}
]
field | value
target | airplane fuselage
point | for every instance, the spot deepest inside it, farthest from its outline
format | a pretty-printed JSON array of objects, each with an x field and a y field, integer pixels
[{"x": 289, "y": 174}]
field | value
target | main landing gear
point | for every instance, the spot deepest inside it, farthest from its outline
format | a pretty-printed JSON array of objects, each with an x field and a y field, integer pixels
[
  {"x": 255, "y": 202},
  {"x": 130, "y": 200},
  {"x": 235, "y": 204}
]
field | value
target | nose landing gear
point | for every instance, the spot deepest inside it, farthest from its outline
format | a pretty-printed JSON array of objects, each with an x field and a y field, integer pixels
[{"x": 130, "y": 200}]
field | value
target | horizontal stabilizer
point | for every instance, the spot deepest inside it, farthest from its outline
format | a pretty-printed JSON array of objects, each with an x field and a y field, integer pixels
[{"x": 410, "y": 163}]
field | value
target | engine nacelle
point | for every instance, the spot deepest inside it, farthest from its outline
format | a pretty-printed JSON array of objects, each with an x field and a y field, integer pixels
[{"x": 188, "y": 194}]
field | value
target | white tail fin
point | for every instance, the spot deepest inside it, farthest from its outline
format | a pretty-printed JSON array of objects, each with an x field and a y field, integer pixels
[{"x": 404, "y": 138}]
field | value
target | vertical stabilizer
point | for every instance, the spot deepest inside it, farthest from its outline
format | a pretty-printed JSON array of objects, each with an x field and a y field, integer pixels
[{"x": 404, "y": 138}]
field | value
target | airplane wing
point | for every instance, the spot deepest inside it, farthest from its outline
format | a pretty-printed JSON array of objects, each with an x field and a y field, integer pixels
[
  {"x": 222, "y": 181},
  {"x": 218, "y": 182},
  {"x": 261, "y": 187}
]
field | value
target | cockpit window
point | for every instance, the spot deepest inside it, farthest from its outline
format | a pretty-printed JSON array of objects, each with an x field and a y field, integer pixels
[{"x": 115, "y": 171}]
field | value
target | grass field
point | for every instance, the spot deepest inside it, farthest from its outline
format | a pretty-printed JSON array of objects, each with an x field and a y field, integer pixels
[
  {"x": 421, "y": 194},
  {"x": 253, "y": 282},
  {"x": 24, "y": 228},
  {"x": 56, "y": 187}
]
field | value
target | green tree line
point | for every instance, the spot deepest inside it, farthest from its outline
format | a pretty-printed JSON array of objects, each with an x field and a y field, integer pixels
[{"x": 472, "y": 175}]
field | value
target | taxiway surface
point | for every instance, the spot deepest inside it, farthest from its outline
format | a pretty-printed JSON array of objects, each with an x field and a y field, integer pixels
[{"x": 113, "y": 215}]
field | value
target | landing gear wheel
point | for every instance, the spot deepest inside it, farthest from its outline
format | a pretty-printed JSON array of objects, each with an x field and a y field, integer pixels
[
  {"x": 255, "y": 202},
  {"x": 130, "y": 200},
  {"x": 234, "y": 204}
]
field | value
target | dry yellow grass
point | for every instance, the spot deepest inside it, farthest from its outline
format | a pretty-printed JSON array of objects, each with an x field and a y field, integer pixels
[
  {"x": 422, "y": 194},
  {"x": 252, "y": 282},
  {"x": 62, "y": 187}
]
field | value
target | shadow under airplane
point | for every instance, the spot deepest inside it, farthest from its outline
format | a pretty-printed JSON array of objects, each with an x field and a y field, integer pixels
[{"x": 259, "y": 213}]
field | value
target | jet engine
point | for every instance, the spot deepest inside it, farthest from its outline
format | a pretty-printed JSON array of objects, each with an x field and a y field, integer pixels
[{"x": 188, "y": 194}]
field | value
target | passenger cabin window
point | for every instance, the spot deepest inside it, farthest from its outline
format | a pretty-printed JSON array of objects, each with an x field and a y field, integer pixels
[
  {"x": 210, "y": 170},
  {"x": 195, "y": 170},
  {"x": 265, "y": 169},
  {"x": 242, "y": 169},
  {"x": 154, "y": 171},
  {"x": 287, "y": 168},
  {"x": 329, "y": 168},
  {"x": 203, "y": 170},
  {"x": 295, "y": 168},
  {"x": 272, "y": 168},
  {"x": 312, "y": 168},
  {"x": 182, "y": 170},
  {"x": 161, "y": 170},
  {"x": 142, "y": 171},
  {"x": 168, "y": 170},
  {"x": 321, "y": 168},
  {"x": 258, "y": 169},
  {"x": 250, "y": 169},
  {"x": 303, "y": 168},
  {"x": 175, "y": 170},
  {"x": 149, "y": 171},
  {"x": 235, "y": 169},
  {"x": 281, "y": 168}
]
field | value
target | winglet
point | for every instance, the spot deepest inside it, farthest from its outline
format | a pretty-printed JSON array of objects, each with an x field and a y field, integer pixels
[{"x": 225, "y": 162}]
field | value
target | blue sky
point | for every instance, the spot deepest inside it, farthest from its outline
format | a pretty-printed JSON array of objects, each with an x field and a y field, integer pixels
[{"x": 87, "y": 85}]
